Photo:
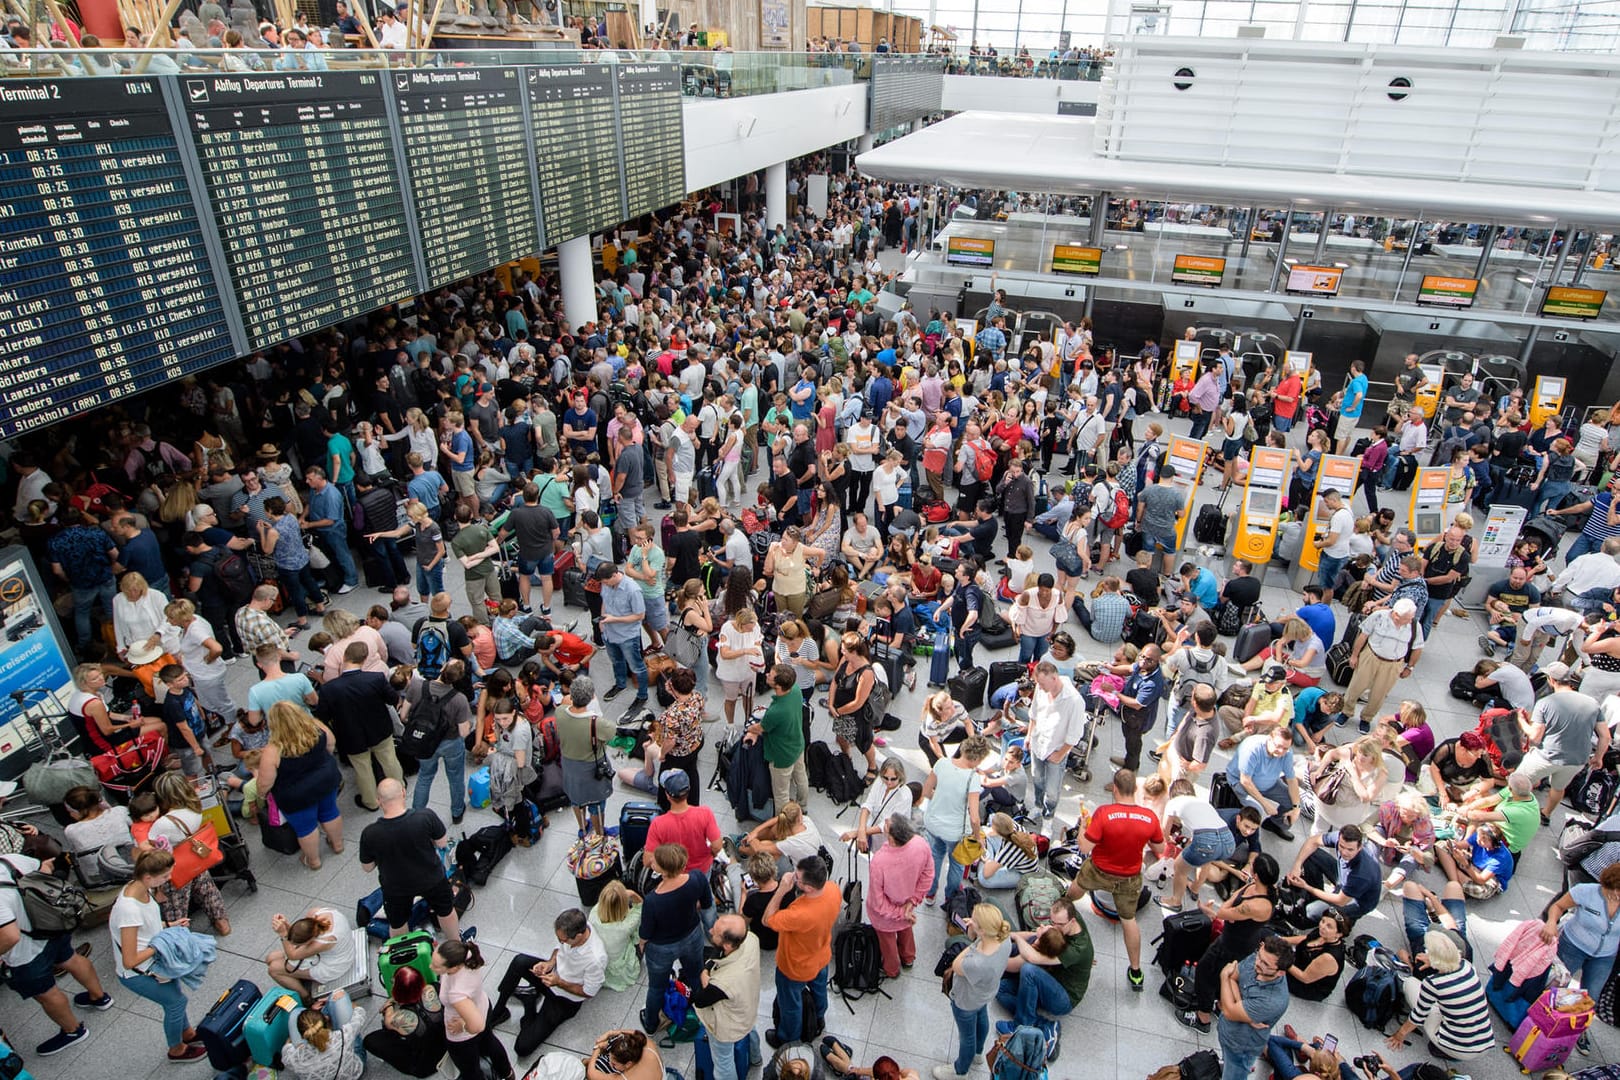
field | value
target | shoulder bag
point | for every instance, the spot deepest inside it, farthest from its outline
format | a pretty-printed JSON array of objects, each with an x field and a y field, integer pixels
[
  {"x": 196, "y": 854},
  {"x": 970, "y": 848},
  {"x": 603, "y": 768}
]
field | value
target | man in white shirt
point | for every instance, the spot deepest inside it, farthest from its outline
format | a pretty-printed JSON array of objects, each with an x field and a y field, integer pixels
[
  {"x": 862, "y": 546},
  {"x": 1591, "y": 579},
  {"x": 391, "y": 33},
  {"x": 31, "y": 963},
  {"x": 739, "y": 551},
  {"x": 1334, "y": 541},
  {"x": 1539, "y": 627},
  {"x": 1057, "y": 721},
  {"x": 552, "y": 990},
  {"x": 31, "y": 481}
]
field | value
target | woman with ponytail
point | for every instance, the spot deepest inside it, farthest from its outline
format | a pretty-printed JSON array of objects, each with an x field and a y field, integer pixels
[
  {"x": 326, "y": 1044},
  {"x": 975, "y": 974},
  {"x": 469, "y": 1038}
]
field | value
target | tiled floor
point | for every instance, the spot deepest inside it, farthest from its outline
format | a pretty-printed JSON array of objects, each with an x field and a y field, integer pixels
[{"x": 1113, "y": 1034}]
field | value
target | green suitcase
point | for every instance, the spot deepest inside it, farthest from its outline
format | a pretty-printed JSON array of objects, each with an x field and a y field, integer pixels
[{"x": 412, "y": 949}]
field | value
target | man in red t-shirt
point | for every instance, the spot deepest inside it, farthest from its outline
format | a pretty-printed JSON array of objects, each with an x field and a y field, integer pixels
[
  {"x": 558, "y": 649},
  {"x": 1113, "y": 844},
  {"x": 1285, "y": 401},
  {"x": 692, "y": 827}
]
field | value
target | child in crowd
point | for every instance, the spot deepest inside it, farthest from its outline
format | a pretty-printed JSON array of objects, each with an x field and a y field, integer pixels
[{"x": 183, "y": 713}]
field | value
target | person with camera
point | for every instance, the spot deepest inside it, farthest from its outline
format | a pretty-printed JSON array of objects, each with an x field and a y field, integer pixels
[{"x": 1379, "y": 1067}]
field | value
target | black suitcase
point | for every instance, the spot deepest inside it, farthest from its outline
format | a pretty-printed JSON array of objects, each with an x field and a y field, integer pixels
[
  {"x": 546, "y": 791},
  {"x": 590, "y": 889},
  {"x": 1221, "y": 794},
  {"x": 573, "y": 585},
  {"x": 634, "y": 820},
  {"x": 968, "y": 687},
  {"x": 221, "y": 1030},
  {"x": 1250, "y": 641},
  {"x": 1003, "y": 672},
  {"x": 1186, "y": 937},
  {"x": 1133, "y": 543},
  {"x": 1209, "y": 527},
  {"x": 894, "y": 665},
  {"x": 1338, "y": 663}
]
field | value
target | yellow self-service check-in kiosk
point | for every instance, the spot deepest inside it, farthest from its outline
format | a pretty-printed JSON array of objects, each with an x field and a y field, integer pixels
[
  {"x": 1187, "y": 456},
  {"x": 1298, "y": 363},
  {"x": 1428, "y": 505},
  {"x": 1427, "y": 397},
  {"x": 1262, "y": 504},
  {"x": 1184, "y": 361},
  {"x": 1546, "y": 399},
  {"x": 1334, "y": 472}
]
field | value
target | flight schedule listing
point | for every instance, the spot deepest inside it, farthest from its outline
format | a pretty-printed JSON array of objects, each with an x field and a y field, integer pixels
[
  {"x": 650, "y": 115},
  {"x": 576, "y": 149},
  {"x": 301, "y": 175},
  {"x": 106, "y": 287},
  {"x": 466, "y": 148}
]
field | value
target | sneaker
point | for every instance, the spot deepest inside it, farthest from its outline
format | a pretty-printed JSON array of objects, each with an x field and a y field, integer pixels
[
  {"x": 64, "y": 1039},
  {"x": 469, "y": 933},
  {"x": 1190, "y": 1019},
  {"x": 946, "y": 1072},
  {"x": 1134, "y": 977},
  {"x": 910, "y": 679},
  {"x": 1054, "y": 1037},
  {"x": 1486, "y": 645},
  {"x": 1155, "y": 755},
  {"x": 498, "y": 1016},
  {"x": 455, "y": 819},
  {"x": 84, "y": 1001},
  {"x": 346, "y": 588},
  {"x": 615, "y": 692},
  {"x": 1584, "y": 1044},
  {"x": 772, "y": 1039},
  {"x": 191, "y": 1052},
  {"x": 728, "y": 844},
  {"x": 1006, "y": 1027},
  {"x": 1365, "y": 727},
  {"x": 930, "y": 901}
]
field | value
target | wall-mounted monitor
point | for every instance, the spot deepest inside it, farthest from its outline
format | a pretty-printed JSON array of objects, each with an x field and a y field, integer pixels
[
  {"x": 1564, "y": 302},
  {"x": 1069, "y": 259},
  {"x": 969, "y": 251},
  {"x": 1315, "y": 280},
  {"x": 1457, "y": 292},
  {"x": 1198, "y": 270}
]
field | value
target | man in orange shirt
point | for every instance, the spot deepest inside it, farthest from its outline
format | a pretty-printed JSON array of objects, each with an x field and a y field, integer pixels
[
  {"x": 558, "y": 649},
  {"x": 1285, "y": 402},
  {"x": 804, "y": 945}
]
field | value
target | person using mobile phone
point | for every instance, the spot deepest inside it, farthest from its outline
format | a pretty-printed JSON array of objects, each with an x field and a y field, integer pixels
[{"x": 1291, "y": 1057}]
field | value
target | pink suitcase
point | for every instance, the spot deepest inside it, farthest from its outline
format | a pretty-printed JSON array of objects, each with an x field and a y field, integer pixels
[{"x": 1548, "y": 1034}]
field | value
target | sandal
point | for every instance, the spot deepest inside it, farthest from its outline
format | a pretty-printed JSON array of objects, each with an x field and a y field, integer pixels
[
  {"x": 871, "y": 775},
  {"x": 307, "y": 864}
]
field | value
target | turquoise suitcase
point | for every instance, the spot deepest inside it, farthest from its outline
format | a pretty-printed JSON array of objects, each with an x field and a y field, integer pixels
[{"x": 266, "y": 1025}]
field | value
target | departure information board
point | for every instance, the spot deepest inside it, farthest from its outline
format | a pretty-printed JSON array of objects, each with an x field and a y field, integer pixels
[
  {"x": 466, "y": 153},
  {"x": 650, "y": 130},
  {"x": 905, "y": 88},
  {"x": 106, "y": 287},
  {"x": 301, "y": 174},
  {"x": 576, "y": 150}
]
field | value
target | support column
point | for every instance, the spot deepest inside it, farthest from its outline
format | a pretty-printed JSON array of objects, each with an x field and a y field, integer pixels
[
  {"x": 1099, "y": 218},
  {"x": 1282, "y": 249},
  {"x": 864, "y": 145},
  {"x": 1526, "y": 350},
  {"x": 1487, "y": 241},
  {"x": 1563, "y": 253},
  {"x": 575, "y": 269},
  {"x": 1248, "y": 231},
  {"x": 776, "y": 208},
  {"x": 1411, "y": 247},
  {"x": 1321, "y": 237}
]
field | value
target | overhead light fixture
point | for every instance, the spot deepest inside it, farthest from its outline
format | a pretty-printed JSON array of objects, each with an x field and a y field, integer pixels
[
  {"x": 1341, "y": 266},
  {"x": 1524, "y": 280},
  {"x": 1122, "y": 247}
]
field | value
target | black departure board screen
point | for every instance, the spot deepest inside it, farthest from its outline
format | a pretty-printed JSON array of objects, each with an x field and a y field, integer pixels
[
  {"x": 654, "y": 142},
  {"x": 300, "y": 169},
  {"x": 576, "y": 149},
  {"x": 904, "y": 88},
  {"x": 106, "y": 288},
  {"x": 466, "y": 148}
]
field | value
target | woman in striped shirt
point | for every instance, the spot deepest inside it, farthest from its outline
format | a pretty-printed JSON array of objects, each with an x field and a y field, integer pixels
[
  {"x": 1448, "y": 1002},
  {"x": 1008, "y": 854}
]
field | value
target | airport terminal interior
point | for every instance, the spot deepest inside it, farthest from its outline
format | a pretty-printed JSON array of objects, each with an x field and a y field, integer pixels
[{"x": 447, "y": 252}]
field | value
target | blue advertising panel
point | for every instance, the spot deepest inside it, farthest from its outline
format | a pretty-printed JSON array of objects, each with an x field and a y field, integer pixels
[{"x": 34, "y": 654}]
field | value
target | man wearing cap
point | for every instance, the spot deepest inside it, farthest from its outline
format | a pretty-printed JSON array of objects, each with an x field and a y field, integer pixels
[
  {"x": 624, "y": 609},
  {"x": 1270, "y": 706},
  {"x": 694, "y": 828},
  {"x": 1387, "y": 648},
  {"x": 1563, "y": 733}
]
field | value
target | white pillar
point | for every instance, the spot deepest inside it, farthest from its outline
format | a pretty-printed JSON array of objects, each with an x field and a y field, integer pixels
[
  {"x": 865, "y": 144},
  {"x": 776, "y": 208},
  {"x": 578, "y": 283}
]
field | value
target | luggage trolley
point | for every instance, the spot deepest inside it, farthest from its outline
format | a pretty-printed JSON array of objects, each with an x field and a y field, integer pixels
[{"x": 215, "y": 811}]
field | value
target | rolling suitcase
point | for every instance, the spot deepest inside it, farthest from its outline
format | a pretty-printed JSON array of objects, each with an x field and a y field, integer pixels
[
  {"x": 634, "y": 820},
  {"x": 1003, "y": 672},
  {"x": 1338, "y": 663},
  {"x": 1250, "y": 641},
  {"x": 590, "y": 889},
  {"x": 968, "y": 687},
  {"x": 221, "y": 1030},
  {"x": 1548, "y": 1034},
  {"x": 265, "y": 1027},
  {"x": 412, "y": 949},
  {"x": 1186, "y": 937}
]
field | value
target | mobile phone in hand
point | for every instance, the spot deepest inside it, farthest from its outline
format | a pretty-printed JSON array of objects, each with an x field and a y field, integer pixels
[{"x": 1330, "y": 1043}]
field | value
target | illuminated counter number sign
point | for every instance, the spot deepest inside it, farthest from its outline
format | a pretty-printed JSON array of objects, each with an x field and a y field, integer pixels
[
  {"x": 1068, "y": 259},
  {"x": 969, "y": 251},
  {"x": 1198, "y": 270},
  {"x": 1564, "y": 302}
]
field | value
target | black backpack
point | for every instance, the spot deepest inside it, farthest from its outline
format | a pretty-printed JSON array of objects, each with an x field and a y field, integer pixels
[
  {"x": 1374, "y": 993},
  {"x": 857, "y": 962},
  {"x": 843, "y": 782},
  {"x": 818, "y": 764},
  {"x": 811, "y": 1022},
  {"x": 477, "y": 855},
  {"x": 1201, "y": 1065},
  {"x": 235, "y": 576},
  {"x": 424, "y": 730}
]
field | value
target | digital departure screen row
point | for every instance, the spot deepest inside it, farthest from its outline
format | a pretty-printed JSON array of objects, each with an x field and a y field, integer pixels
[
  {"x": 153, "y": 227},
  {"x": 905, "y": 88}
]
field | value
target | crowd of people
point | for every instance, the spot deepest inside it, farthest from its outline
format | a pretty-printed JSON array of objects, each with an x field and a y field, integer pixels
[{"x": 749, "y": 483}]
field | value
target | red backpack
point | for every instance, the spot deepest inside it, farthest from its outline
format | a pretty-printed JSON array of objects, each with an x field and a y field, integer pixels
[
  {"x": 1122, "y": 510},
  {"x": 984, "y": 460}
]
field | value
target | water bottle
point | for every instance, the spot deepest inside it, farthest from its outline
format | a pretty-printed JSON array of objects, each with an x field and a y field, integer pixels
[{"x": 135, "y": 713}]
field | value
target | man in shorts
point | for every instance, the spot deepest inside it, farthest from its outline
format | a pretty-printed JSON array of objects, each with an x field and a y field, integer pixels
[
  {"x": 1156, "y": 516},
  {"x": 536, "y": 530},
  {"x": 31, "y": 965},
  {"x": 406, "y": 849},
  {"x": 1113, "y": 842},
  {"x": 1564, "y": 733}
]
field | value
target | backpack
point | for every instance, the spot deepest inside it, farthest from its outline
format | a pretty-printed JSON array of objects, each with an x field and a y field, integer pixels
[
  {"x": 843, "y": 782},
  {"x": 432, "y": 649},
  {"x": 857, "y": 967},
  {"x": 812, "y": 1021},
  {"x": 54, "y": 905},
  {"x": 1020, "y": 1055},
  {"x": 984, "y": 461},
  {"x": 550, "y": 747},
  {"x": 478, "y": 854},
  {"x": 235, "y": 577},
  {"x": 1374, "y": 992},
  {"x": 1200, "y": 1065},
  {"x": 525, "y": 823},
  {"x": 1201, "y": 674},
  {"x": 425, "y": 729},
  {"x": 1122, "y": 510},
  {"x": 1035, "y": 895}
]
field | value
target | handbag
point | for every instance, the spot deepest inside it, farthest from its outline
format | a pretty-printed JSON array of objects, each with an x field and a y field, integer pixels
[
  {"x": 318, "y": 559},
  {"x": 1326, "y": 784},
  {"x": 593, "y": 856},
  {"x": 686, "y": 648},
  {"x": 602, "y": 767},
  {"x": 968, "y": 849},
  {"x": 196, "y": 854}
]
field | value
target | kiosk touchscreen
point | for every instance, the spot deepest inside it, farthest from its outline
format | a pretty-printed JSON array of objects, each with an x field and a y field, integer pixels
[
  {"x": 1335, "y": 472},
  {"x": 1546, "y": 399},
  {"x": 1428, "y": 505},
  {"x": 1184, "y": 361},
  {"x": 1296, "y": 363},
  {"x": 1262, "y": 504},
  {"x": 1427, "y": 397},
  {"x": 1187, "y": 455}
]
